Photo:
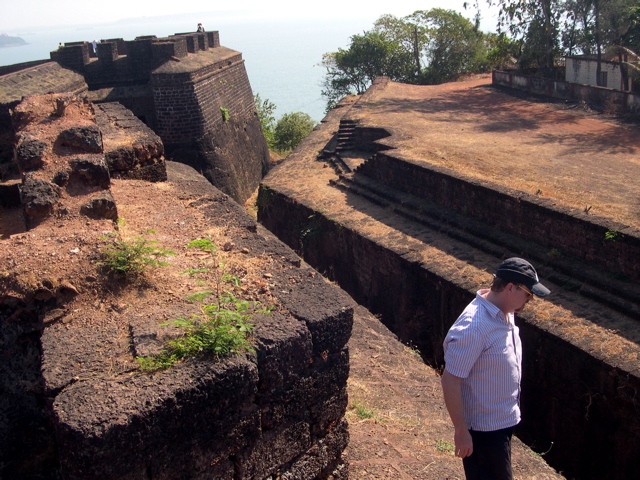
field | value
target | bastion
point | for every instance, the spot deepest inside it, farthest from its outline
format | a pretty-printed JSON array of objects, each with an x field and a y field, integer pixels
[
  {"x": 409, "y": 197},
  {"x": 188, "y": 88}
]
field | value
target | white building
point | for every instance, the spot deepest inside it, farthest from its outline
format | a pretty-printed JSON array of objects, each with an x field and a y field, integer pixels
[{"x": 583, "y": 69}]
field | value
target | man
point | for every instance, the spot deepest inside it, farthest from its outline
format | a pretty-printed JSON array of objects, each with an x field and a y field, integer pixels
[{"x": 481, "y": 380}]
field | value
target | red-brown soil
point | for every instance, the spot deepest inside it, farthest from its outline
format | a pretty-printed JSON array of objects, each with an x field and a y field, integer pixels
[{"x": 564, "y": 152}]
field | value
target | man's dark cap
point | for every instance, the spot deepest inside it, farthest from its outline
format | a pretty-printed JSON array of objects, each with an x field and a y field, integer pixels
[{"x": 517, "y": 270}]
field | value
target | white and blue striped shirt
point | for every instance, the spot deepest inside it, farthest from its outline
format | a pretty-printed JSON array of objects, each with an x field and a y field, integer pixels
[{"x": 483, "y": 348}]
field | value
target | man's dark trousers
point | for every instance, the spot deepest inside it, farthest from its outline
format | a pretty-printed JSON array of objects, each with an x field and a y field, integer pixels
[{"x": 491, "y": 457}]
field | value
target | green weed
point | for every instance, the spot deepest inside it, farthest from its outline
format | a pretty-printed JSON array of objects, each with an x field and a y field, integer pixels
[
  {"x": 222, "y": 327},
  {"x": 554, "y": 253},
  {"x": 444, "y": 447},
  {"x": 613, "y": 236},
  {"x": 132, "y": 257},
  {"x": 362, "y": 411}
]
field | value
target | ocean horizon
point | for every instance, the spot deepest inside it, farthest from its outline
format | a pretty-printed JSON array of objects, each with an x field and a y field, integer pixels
[{"x": 282, "y": 57}]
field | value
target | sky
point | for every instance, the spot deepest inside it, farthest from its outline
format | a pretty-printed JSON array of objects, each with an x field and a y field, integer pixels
[{"x": 27, "y": 14}]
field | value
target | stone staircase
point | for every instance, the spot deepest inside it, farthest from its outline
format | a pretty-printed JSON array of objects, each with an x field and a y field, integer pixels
[{"x": 346, "y": 134}]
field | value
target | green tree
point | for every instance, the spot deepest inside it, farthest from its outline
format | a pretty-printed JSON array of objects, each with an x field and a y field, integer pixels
[
  {"x": 425, "y": 47},
  {"x": 455, "y": 45},
  {"x": 291, "y": 129},
  {"x": 501, "y": 51},
  {"x": 411, "y": 36},
  {"x": 535, "y": 25},
  {"x": 265, "y": 110},
  {"x": 352, "y": 70}
]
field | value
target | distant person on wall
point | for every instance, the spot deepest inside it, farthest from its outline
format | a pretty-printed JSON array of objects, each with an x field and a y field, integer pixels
[
  {"x": 94, "y": 45},
  {"x": 200, "y": 28},
  {"x": 481, "y": 380}
]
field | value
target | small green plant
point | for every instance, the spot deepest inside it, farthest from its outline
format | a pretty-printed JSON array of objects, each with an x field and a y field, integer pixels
[
  {"x": 554, "y": 253},
  {"x": 221, "y": 328},
  {"x": 362, "y": 411},
  {"x": 613, "y": 236},
  {"x": 132, "y": 257},
  {"x": 311, "y": 230},
  {"x": 444, "y": 447},
  {"x": 225, "y": 114},
  {"x": 542, "y": 454}
]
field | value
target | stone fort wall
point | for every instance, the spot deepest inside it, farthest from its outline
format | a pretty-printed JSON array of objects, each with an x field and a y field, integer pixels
[{"x": 193, "y": 92}]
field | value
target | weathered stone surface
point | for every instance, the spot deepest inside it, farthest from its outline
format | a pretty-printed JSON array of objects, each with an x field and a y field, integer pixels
[
  {"x": 323, "y": 313},
  {"x": 38, "y": 196},
  {"x": 121, "y": 158},
  {"x": 319, "y": 461},
  {"x": 96, "y": 439},
  {"x": 275, "y": 446},
  {"x": 27, "y": 442},
  {"x": 131, "y": 148},
  {"x": 284, "y": 350},
  {"x": 10, "y": 194},
  {"x": 90, "y": 170},
  {"x": 101, "y": 206},
  {"x": 61, "y": 178},
  {"x": 86, "y": 139},
  {"x": 39, "y": 80},
  {"x": 30, "y": 153}
]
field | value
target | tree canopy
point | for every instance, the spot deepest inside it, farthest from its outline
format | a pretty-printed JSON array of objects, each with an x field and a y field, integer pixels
[
  {"x": 431, "y": 46},
  {"x": 291, "y": 129},
  {"x": 439, "y": 45}
]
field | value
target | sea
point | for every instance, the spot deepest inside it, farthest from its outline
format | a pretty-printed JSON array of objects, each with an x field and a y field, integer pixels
[{"x": 282, "y": 56}]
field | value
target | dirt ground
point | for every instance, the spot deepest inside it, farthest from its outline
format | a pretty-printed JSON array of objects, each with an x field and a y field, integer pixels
[{"x": 562, "y": 151}]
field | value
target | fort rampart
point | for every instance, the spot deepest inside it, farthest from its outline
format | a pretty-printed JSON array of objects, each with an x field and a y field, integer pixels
[
  {"x": 581, "y": 402},
  {"x": 75, "y": 404}
]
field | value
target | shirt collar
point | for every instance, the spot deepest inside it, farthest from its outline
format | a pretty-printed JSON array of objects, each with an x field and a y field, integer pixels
[{"x": 493, "y": 310}]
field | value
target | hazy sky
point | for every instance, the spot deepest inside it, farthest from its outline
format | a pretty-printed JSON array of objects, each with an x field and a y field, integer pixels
[{"x": 18, "y": 15}]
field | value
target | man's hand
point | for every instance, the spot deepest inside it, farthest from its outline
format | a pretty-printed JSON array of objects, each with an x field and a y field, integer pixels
[
  {"x": 451, "y": 388},
  {"x": 464, "y": 444}
]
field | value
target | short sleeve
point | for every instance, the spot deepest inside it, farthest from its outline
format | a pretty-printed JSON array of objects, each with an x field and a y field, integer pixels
[{"x": 462, "y": 346}]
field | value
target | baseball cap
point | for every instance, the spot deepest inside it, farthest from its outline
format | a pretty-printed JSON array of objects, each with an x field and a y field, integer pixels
[{"x": 518, "y": 270}]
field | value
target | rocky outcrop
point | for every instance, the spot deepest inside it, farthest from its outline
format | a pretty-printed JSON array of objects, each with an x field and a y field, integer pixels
[
  {"x": 77, "y": 404},
  {"x": 131, "y": 149},
  {"x": 67, "y": 156}
]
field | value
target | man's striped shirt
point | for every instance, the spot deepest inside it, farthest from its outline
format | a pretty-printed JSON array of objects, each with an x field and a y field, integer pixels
[{"x": 483, "y": 348}]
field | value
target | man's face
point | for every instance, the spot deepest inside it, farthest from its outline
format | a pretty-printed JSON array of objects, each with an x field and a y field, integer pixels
[{"x": 520, "y": 296}]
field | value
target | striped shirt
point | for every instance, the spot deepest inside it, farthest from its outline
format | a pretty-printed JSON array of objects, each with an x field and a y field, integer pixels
[{"x": 483, "y": 348}]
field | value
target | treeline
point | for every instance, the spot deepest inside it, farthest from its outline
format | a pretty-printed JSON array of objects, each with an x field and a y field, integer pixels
[{"x": 439, "y": 45}]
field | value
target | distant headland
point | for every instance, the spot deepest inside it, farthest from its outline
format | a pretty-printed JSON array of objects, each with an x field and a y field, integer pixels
[{"x": 8, "y": 41}]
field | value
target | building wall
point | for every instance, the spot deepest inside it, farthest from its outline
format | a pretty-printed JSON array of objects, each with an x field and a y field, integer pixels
[
  {"x": 582, "y": 70},
  {"x": 613, "y": 99}
]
